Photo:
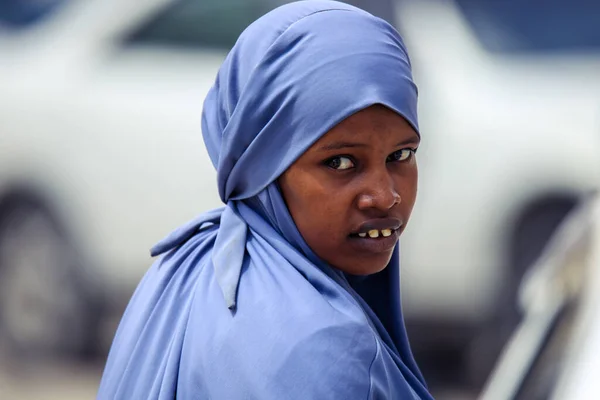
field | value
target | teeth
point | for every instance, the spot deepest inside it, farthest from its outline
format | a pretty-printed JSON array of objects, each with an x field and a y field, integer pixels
[{"x": 373, "y": 233}]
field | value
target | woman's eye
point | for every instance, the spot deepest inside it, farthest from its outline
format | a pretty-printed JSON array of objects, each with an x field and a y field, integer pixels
[
  {"x": 401, "y": 155},
  {"x": 340, "y": 163}
]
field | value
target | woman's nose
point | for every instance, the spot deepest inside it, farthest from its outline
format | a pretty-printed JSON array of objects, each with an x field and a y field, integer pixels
[{"x": 379, "y": 192}]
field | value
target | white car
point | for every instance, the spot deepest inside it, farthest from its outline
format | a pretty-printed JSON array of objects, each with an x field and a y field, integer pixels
[
  {"x": 511, "y": 143},
  {"x": 101, "y": 155},
  {"x": 555, "y": 351}
]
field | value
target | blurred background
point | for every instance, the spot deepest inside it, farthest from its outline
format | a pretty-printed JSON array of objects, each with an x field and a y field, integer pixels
[{"x": 101, "y": 156}]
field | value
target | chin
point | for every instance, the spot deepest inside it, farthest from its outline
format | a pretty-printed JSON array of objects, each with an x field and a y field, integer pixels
[{"x": 368, "y": 266}]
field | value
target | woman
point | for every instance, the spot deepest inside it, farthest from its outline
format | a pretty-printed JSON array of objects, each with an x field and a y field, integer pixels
[{"x": 291, "y": 291}]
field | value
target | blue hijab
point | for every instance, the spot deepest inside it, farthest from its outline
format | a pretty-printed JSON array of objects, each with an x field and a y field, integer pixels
[{"x": 238, "y": 306}]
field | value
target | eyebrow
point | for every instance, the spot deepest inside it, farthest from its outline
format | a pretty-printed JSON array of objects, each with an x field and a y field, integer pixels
[{"x": 345, "y": 145}]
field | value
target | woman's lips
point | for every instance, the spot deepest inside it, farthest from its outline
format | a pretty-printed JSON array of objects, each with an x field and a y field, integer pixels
[
  {"x": 379, "y": 244},
  {"x": 376, "y": 235},
  {"x": 379, "y": 224}
]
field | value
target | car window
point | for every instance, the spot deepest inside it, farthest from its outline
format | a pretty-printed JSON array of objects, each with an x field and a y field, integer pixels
[
  {"x": 19, "y": 14},
  {"x": 207, "y": 23},
  {"x": 516, "y": 26},
  {"x": 215, "y": 23}
]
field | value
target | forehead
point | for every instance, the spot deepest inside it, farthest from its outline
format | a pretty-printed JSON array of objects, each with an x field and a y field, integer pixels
[{"x": 375, "y": 124}]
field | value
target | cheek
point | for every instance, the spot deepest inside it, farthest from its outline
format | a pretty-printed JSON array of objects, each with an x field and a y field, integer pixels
[
  {"x": 322, "y": 228},
  {"x": 315, "y": 213},
  {"x": 408, "y": 187},
  {"x": 318, "y": 211}
]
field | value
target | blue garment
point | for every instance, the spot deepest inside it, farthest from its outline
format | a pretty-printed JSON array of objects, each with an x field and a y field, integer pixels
[{"x": 238, "y": 306}]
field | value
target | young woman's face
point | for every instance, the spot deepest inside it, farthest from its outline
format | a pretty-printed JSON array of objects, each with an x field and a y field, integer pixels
[{"x": 352, "y": 192}]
